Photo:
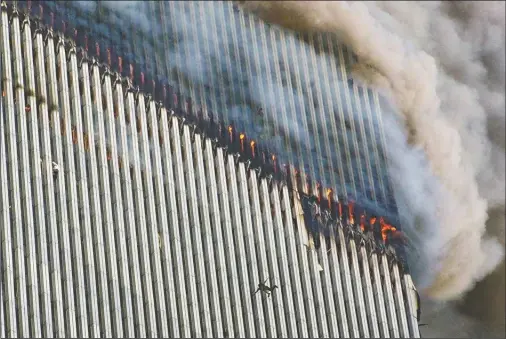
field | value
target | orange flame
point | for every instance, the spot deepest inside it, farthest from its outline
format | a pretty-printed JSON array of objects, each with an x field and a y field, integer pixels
[
  {"x": 230, "y": 132},
  {"x": 385, "y": 229},
  {"x": 252, "y": 145},
  {"x": 241, "y": 137},
  {"x": 329, "y": 197},
  {"x": 362, "y": 222},
  {"x": 373, "y": 220},
  {"x": 350, "y": 210},
  {"x": 340, "y": 207}
]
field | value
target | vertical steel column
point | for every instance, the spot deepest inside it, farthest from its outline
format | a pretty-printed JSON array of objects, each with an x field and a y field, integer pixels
[
  {"x": 207, "y": 238},
  {"x": 76, "y": 280},
  {"x": 246, "y": 285},
  {"x": 389, "y": 300},
  {"x": 255, "y": 235},
  {"x": 128, "y": 212},
  {"x": 358, "y": 289},
  {"x": 268, "y": 237},
  {"x": 153, "y": 242},
  {"x": 115, "y": 328},
  {"x": 243, "y": 326},
  {"x": 141, "y": 224},
  {"x": 379, "y": 297},
  {"x": 278, "y": 255},
  {"x": 369, "y": 299},
  {"x": 54, "y": 306},
  {"x": 96, "y": 220},
  {"x": 328, "y": 295},
  {"x": 118, "y": 205},
  {"x": 353, "y": 322},
  {"x": 190, "y": 279},
  {"x": 167, "y": 262},
  {"x": 11, "y": 274},
  {"x": 302, "y": 308},
  {"x": 84, "y": 201},
  {"x": 399, "y": 302},
  {"x": 412, "y": 305},
  {"x": 228, "y": 291},
  {"x": 255, "y": 276},
  {"x": 57, "y": 145},
  {"x": 172, "y": 230},
  {"x": 339, "y": 290},
  {"x": 37, "y": 245},
  {"x": 194, "y": 230}
]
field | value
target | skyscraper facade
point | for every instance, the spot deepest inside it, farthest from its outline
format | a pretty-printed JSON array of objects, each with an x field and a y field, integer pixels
[{"x": 143, "y": 191}]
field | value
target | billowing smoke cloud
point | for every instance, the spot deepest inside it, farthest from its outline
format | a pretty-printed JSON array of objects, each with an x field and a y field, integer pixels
[{"x": 443, "y": 67}]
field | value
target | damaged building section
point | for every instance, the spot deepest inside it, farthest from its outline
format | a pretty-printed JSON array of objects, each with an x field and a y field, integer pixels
[{"x": 122, "y": 217}]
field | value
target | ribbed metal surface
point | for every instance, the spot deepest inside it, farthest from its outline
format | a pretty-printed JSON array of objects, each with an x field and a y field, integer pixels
[{"x": 148, "y": 230}]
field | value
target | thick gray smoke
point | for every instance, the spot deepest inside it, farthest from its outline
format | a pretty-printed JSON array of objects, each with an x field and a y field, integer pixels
[{"x": 442, "y": 64}]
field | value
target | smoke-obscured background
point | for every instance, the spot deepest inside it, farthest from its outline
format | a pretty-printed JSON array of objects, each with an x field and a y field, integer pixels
[{"x": 440, "y": 66}]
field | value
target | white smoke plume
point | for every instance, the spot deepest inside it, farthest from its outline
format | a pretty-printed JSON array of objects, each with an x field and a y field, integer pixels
[{"x": 442, "y": 64}]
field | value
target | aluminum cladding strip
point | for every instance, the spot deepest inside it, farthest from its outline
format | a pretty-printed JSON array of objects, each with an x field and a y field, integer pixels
[
  {"x": 115, "y": 183},
  {"x": 399, "y": 301},
  {"x": 94, "y": 199},
  {"x": 379, "y": 297},
  {"x": 8, "y": 266},
  {"x": 369, "y": 298},
  {"x": 147, "y": 236},
  {"x": 338, "y": 285},
  {"x": 128, "y": 213},
  {"x": 77, "y": 274},
  {"x": 167, "y": 261},
  {"x": 301, "y": 241},
  {"x": 190, "y": 279},
  {"x": 228, "y": 293},
  {"x": 328, "y": 296},
  {"x": 105, "y": 201},
  {"x": 247, "y": 285},
  {"x": 57, "y": 146},
  {"x": 153, "y": 248},
  {"x": 257, "y": 237},
  {"x": 357, "y": 287},
  {"x": 84, "y": 201},
  {"x": 263, "y": 321},
  {"x": 141, "y": 225},
  {"x": 412, "y": 305},
  {"x": 267, "y": 239},
  {"x": 296, "y": 273},
  {"x": 389, "y": 300},
  {"x": 349, "y": 298},
  {"x": 242, "y": 325},
  {"x": 211, "y": 268},
  {"x": 24, "y": 276},
  {"x": 38, "y": 232},
  {"x": 171, "y": 234},
  {"x": 278, "y": 248},
  {"x": 195, "y": 230},
  {"x": 52, "y": 303}
]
